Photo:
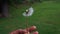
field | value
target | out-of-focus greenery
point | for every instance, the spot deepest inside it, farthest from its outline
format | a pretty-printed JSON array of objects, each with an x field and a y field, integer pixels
[
  {"x": 21, "y": 1},
  {"x": 46, "y": 17}
]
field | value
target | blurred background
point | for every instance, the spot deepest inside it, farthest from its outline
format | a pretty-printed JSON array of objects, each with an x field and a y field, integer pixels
[{"x": 46, "y": 15}]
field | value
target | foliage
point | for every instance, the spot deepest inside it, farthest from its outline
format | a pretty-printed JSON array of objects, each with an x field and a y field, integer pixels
[{"x": 46, "y": 17}]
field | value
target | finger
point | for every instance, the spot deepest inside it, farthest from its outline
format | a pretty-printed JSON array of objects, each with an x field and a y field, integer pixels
[
  {"x": 27, "y": 33},
  {"x": 23, "y": 31},
  {"x": 31, "y": 28},
  {"x": 14, "y": 32},
  {"x": 35, "y": 32}
]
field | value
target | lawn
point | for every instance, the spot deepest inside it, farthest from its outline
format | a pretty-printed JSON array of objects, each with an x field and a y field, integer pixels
[{"x": 46, "y": 17}]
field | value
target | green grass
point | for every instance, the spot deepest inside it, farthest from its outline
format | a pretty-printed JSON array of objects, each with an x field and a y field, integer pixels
[{"x": 46, "y": 17}]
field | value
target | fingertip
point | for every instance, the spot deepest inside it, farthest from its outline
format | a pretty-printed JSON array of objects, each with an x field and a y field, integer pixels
[
  {"x": 36, "y": 32},
  {"x": 32, "y": 28},
  {"x": 27, "y": 33}
]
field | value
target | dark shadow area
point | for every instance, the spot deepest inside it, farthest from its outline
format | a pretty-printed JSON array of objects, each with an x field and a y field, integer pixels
[{"x": 3, "y": 8}]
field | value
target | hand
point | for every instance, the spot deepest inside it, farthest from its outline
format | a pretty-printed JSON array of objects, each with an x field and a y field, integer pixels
[{"x": 25, "y": 31}]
